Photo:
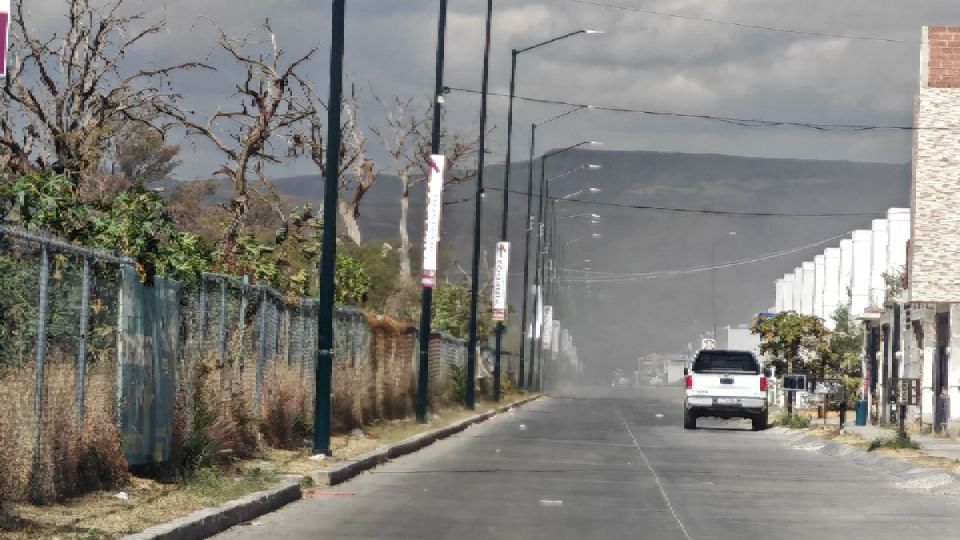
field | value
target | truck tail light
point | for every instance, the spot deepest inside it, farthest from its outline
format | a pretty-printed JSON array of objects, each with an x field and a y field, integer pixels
[
  {"x": 689, "y": 382},
  {"x": 763, "y": 384}
]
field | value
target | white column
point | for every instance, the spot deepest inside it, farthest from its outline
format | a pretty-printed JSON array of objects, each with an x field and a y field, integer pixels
[
  {"x": 819, "y": 268},
  {"x": 831, "y": 285},
  {"x": 879, "y": 250},
  {"x": 899, "y": 234},
  {"x": 809, "y": 284},
  {"x": 798, "y": 289},
  {"x": 862, "y": 265},
  {"x": 846, "y": 270},
  {"x": 788, "y": 286},
  {"x": 778, "y": 305},
  {"x": 953, "y": 370}
]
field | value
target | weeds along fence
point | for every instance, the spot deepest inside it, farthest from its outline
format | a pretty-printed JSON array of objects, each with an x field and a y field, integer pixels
[{"x": 101, "y": 371}]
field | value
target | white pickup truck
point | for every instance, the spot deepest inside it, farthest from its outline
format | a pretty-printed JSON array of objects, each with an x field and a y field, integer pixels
[{"x": 725, "y": 384}]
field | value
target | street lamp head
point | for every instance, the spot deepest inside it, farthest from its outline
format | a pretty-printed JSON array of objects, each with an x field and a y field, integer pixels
[
  {"x": 595, "y": 143},
  {"x": 595, "y": 216},
  {"x": 593, "y": 166},
  {"x": 588, "y": 260},
  {"x": 597, "y": 235},
  {"x": 594, "y": 190},
  {"x": 589, "y": 31}
]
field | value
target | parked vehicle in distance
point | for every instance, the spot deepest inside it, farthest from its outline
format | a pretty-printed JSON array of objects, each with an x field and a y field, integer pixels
[{"x": 725, "y": 384}]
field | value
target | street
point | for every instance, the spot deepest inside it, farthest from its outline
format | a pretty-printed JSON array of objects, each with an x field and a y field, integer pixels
[{"x": 595, "y": 467}]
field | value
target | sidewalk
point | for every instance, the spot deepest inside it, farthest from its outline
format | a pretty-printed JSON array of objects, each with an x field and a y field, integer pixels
[
  {"x": 932, "y": 446},
  {"x": 929, "y": 444}
]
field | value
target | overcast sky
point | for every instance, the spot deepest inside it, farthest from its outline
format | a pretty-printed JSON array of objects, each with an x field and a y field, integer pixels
[{"x": 645, "y": 61}]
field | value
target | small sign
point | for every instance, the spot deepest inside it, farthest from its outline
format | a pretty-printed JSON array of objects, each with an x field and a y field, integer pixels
[
  {"x": 500, "y": 281},
  {"x": 794, "y": 383},
  {"x": 4, "y": 35},
  {"x": 708, "y": 344},
  {"x": 908, "y": 391},
  {"x": 547, "y": 327},
  {"x": 431, "y": 230},
  {"x": 555, "y": 341}
]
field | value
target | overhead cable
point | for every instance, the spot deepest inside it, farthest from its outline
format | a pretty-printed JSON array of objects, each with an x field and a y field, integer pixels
[
  {"x": 742, "y": 122},
  {"x": 746, "y": 25},
  {"x": 622, "y": 277},
  {"x": 704, "y": 210}
]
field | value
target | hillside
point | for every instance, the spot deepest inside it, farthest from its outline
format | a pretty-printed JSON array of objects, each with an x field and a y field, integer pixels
[{"x": 630, "y": 318}]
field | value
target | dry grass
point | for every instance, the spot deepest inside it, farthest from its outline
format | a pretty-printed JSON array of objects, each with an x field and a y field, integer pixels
[
  {"x": 102, "y": 515},
  {"x": 74, "y": 456}
]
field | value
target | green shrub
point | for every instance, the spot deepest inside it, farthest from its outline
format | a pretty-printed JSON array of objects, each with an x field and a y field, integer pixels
[
  {"x": 896, "y": 442},
  {"x": 794, "y": 421},
  {"x": 458, "y": 375}
]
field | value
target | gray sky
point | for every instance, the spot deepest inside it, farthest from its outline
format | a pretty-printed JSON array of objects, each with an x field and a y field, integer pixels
[{"x": 645, "y": 61}]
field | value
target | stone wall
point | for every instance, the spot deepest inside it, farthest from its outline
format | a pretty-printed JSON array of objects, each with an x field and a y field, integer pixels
[{"x": 935, "y": 245}]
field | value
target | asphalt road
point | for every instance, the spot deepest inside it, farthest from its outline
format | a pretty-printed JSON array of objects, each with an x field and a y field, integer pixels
[{"x": 599, "y": 468}]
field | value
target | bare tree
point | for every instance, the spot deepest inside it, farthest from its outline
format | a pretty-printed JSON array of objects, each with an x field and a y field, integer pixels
[
  {"x": 64, "y": 93},
  {"x": 407, "y": 139},
  {"x": 260, "y": 125},
  {"x": 357, "y": 171}
]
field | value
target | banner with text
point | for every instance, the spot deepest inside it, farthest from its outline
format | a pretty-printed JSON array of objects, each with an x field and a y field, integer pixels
[
  {"x": 4, "y": 35},
  {"x": 547, "y": 327},
  {"x": 431, "y": 229},
  {"x": 500, "y": 281}
]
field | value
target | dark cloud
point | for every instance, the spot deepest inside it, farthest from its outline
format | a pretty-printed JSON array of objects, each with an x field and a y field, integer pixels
[{"x": 645, "y": 61}]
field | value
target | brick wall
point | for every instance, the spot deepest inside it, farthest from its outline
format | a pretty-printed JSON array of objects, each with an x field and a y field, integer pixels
[
  {"x": 943, "y": 62},
  {"x": 935, "y": 229}
]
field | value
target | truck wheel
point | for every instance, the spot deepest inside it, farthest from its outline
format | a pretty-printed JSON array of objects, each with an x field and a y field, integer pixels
[
  {"x": 689, "y": 419},
  {"x": 759, "y": 422}
]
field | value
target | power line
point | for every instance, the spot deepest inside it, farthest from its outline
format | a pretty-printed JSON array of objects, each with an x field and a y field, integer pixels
[
  {"x": 610, "y": 277},
  {"x": 703, "y": 210},
  {"x": 742, "y": 122},
  {"x": 747, "y": 25}
]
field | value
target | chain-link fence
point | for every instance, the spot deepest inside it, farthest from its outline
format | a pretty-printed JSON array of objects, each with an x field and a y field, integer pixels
[{"x": 100, "y": 370}]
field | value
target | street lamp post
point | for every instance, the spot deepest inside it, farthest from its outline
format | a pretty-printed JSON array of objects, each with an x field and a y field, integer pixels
[
  {"x": 552, "y": 288},
  {"x": 506, "y": 193},
  {"x": 527, "y": 240},
  {"x": 324, "y": 367},
  {"x": 470, "y": 398},
  {"x": 423, "y": 378},
  {"x": 544, "y": 194}
]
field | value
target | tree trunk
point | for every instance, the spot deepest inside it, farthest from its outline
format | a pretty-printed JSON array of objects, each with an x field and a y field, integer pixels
[
  {"x": 350, "y": 224},
  {"x": 406, "y": 270}
]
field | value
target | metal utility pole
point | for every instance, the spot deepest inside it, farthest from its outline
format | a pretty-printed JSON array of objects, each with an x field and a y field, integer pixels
[
  {"x": 478, "y": 211},
  {"x": 506, "y": 196},
  {"x": 331, "y": 183},
  {"x": 423, "y": 373},
  {"x": 526, "y": 265},
  {"x": 504, "y": 222}
]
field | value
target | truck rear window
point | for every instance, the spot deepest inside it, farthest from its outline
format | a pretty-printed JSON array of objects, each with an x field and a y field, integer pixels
[{"x": 725, "y": 361}]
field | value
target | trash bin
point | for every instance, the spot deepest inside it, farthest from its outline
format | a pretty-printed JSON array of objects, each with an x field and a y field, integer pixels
[{"x": 861, "y": 412}]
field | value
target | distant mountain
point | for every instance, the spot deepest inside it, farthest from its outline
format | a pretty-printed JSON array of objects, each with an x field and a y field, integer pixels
[{"x": 627, "y": 317}]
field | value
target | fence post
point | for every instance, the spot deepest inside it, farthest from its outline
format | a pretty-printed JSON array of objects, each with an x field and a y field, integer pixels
[
  {"x": 41, "y": 354},
  {"x": 243, "y": 327},
  {"x": 84, "y": 331},
  {"x": 223, "y": 322},
  {"x": 261, "y": 347},
  {"x": 202, "y": 316},
  {"x": 303, "y": 338}
]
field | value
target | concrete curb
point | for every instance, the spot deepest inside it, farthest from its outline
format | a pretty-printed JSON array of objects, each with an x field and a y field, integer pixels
[
  {"x": 210, "y": 521},
  {"x": 905, "y": 474},
  {"x": 342, "y": 472}
]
